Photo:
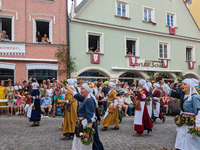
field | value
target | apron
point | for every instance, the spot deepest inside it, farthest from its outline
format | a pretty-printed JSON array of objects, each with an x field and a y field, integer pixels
[
  {"x": 157, "y": 110},
  {"x": 77, "y": 144},
  {"x": 30, "y": 110},
  {"x": 139, "y": 114},
  {"x": 149, "y": 108},
  {"x": 184, "y": 140}
]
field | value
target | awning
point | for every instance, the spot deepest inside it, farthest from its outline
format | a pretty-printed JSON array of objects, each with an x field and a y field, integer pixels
[{"x": 145, "y": 69}]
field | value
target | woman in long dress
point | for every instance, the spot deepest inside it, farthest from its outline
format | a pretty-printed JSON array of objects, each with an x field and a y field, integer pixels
[
  {"x": 34, "y": 115},
  {"x": 157, "y": 100},
  {"x": 142, "y": 120},
  {"x": 70, "y": 115},
  {"x": 190, "y": 106},
  {"x": 111, "y": 116},
  {"x": 87, "y": 110}
]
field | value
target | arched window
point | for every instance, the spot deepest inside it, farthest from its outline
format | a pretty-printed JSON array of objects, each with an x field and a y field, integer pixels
[
  {"x": 130, "y": 77},
  {"x": 93, "y": 75}
]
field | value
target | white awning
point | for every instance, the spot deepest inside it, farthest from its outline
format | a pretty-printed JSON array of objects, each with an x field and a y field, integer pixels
[{"x": 145, "y": 69}]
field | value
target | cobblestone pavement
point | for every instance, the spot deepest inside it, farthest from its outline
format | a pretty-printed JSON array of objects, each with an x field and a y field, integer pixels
[{"x": 15, "y": 134}]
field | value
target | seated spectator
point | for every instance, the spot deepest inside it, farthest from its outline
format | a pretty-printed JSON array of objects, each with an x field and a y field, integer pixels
[
  {"x": 3, "y": 36},
  {"x": 46, "y": 103},
  {"x": 45, "y": 39},
  {"x": 22, "y": 104},
  {"x": 10, "y": 105},
  {"x": 56, "y": 98},
  {"x": 164, "y": 103},
  {"x": 118, "y": 87},
  {"x": 17, "y": 88},
  {"x": 18, "y": 104},
  {"x": 97, "y": 51},
  {"x": 121, "y": 103},
  {"x": 49, "y": 91},
  {"x": 128, "y": 102},
  {"x": 42, "y": 90},
  {"x": 27, "y": 102},
  {"x": 91, "y": 49},
  {"x": 38, "y": 37},
  {"x": 133, "y": 89}
]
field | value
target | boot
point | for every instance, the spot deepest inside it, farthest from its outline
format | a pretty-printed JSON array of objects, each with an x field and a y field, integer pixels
[
  {"x": 104, "y": 129},
  {"x": 137, "y": 134},
  {"x": 116, "y": 128}
]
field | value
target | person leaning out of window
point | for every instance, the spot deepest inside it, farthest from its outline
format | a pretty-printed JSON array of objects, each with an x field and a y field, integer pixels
[
  {"x": 45, "y": 39},
  {"x": 3, "y": 36}
]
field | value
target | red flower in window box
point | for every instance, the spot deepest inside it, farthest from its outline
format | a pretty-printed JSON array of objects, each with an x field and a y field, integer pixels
[{"x": 125, "y": 17}]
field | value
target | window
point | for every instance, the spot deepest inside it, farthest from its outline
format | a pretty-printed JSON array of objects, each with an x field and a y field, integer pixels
[
  {"x": 122, "y": 8},
  {"x": 6, "y": 28},
  {"x": 42, "y": 74},
  {"x": 94, "y": 42},
  {"x": 147, "y": 15},
  {"x": 132, "y": 46},
  {"x": 163, "y": 50},
  {"x": 6, "y": 74},
  {"x": 171, "y": 19},
  {"x": 42, "y": 28},
  {"x": 190, "y": 53}
]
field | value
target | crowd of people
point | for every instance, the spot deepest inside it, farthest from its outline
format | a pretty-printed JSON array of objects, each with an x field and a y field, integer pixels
[{"x": 87, "y": 101}]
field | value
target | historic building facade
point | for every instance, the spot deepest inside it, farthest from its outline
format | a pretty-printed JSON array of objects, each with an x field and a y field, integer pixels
[
  {"x": 131, "y": 38},
  {"x": 22, "y": 55}
]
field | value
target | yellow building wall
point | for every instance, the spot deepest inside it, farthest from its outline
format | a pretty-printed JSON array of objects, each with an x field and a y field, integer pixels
[{"x": 195, "y": 11}]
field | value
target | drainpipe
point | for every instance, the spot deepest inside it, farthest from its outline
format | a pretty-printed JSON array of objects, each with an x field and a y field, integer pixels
[{"x": 68, "y": 40}]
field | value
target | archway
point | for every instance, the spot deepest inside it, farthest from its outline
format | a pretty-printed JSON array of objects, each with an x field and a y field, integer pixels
[{"x": 130, "y": 77}]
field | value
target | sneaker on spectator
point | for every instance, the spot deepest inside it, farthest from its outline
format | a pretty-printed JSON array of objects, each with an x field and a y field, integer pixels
[
  {"x": 17, "y": 113},
  {"x": 126, "y": 115}
]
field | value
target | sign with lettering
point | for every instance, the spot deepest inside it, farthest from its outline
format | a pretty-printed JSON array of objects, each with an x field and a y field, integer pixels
[
  {"x": 141, "y": 63},
  {"x": 11, "y": 48}
]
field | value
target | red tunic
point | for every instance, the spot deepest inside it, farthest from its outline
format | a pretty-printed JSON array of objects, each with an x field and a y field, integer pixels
[
  {"x": 146, "y": 121},
  {"x": 158, "y": 94}
]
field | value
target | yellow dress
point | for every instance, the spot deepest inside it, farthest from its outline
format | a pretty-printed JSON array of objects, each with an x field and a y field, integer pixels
[
  {"x": 2, "y": 93},
  {"x": 70, "y": 117},
  {"x": 111, "y": 118}
]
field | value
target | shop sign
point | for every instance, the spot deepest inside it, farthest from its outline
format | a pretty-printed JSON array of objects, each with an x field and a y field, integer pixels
[
  {"x": 10, "y": 48},
  {"x": 141, "y": 63}
]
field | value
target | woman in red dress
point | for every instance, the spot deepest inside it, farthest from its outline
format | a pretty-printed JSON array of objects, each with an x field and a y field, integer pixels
[{"x": 142, "y": 120}]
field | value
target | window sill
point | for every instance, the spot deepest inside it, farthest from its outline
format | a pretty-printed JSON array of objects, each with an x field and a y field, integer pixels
[
  {"x": 49, "y": 1},
  {"x": 164, "y": 58},
  {"x": 151, "y": 22},
  {"x": 127, "y": 18},
  {"x": 132, "y": 56},
  {"x": 42, "y": 43},
  {"x": 94, "y": 53},
  {"x": 169, "y": 26},
  {"x": 190, "y": 61}
]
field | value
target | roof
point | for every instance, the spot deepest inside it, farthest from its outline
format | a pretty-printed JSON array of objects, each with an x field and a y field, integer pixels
[{"x": 80, "y": 6}]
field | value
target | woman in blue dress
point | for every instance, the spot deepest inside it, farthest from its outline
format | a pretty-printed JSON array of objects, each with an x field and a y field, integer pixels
[
  {"x": 34, "y": 111},
  {"x": 87, "y": 110},
  {"x": 190, "y": 106}
]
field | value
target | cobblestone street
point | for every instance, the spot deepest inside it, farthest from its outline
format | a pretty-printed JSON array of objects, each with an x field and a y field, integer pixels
[{"x": 15, "y": 134}]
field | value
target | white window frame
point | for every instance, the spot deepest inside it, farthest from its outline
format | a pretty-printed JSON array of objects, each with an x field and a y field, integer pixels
[
  {"x": 193, "y": 52},
  {"x": 175, "y": 19},
  {"x": 51, "y": 1},
  {"x": 168, "y": 49},
  {"x": 136, "y": 42},
  {"x": 127, "y": 7},
  {"x": 12, "y": 26},
  {"x": 152, "y": 15},
  {"x": 95, "y": 34},
  {"x": 50, "y": 29}
]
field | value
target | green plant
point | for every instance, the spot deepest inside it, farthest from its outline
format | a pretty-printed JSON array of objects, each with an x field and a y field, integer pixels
[
  {"x": 68, "y": 62},
  {"x": 151, "y": 75},
  {"x": 179, "y": 76}
]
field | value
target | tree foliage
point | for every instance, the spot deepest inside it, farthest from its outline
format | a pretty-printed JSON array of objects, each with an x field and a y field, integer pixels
[
  {"x": 151, "y": 75},
  {"x": 65, "y": 59},
  {"x": 179, "y": 76}
]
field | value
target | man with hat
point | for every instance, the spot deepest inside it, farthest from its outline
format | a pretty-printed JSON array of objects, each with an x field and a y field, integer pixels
[{"x": 118, "y": 87}]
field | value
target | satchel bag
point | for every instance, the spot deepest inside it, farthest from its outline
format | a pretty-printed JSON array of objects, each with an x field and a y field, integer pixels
[
  {"x": 137, "y": 106},
  {"x": 110, "y": 109},
  {"x": 79, "y": 127}
]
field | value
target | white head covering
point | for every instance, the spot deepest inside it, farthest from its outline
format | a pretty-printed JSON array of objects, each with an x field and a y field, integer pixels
[
  {"x": 75, "y": 82},
  {"x": 144, "y": 84},
  {"x": 149, "y": 85},
  {"x": 71, "y": 83},
  {"x": 156, "y": 86},
  {"x": 87, "y": 87},
  {"x": 112, "y": 84},
  {"x": 192, "y": 83},
  {"x": 35, "y": 85}
]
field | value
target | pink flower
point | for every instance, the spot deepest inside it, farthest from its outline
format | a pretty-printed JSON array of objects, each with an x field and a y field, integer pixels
[
  {"x": 182, "y": 120},
  {"x": 178, "y": 121}
]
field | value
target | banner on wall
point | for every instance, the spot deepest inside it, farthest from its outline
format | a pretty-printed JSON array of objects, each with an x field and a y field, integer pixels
[
  {"x": 133, "y": 61},
  {"x": 95, "y": 58}
]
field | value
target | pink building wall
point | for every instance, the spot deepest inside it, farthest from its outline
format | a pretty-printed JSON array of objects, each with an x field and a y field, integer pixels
[{"x": 24, "y": 12}]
